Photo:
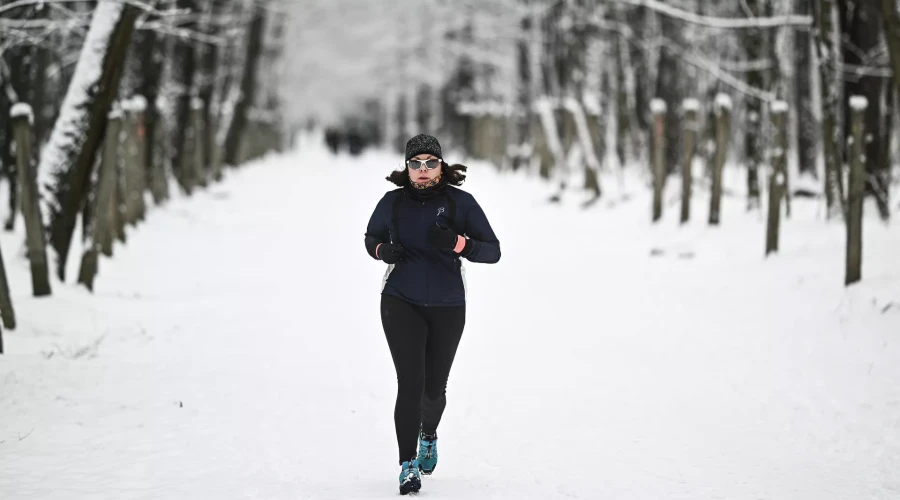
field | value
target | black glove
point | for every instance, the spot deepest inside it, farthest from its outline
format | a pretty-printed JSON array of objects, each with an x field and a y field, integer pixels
[
  {"x": 442, "y": 238},
  {"x": 390, "y": 253}
]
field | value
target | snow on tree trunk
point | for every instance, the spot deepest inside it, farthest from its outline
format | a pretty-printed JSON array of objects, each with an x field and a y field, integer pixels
[
  {"x": 583, "y": 131},
  {"x": 69, "y": 157},
  {"x": 544, "y": 110}
]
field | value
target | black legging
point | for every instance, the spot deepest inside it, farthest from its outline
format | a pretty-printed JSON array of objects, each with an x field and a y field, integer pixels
[{"x": 423, "y": 343}]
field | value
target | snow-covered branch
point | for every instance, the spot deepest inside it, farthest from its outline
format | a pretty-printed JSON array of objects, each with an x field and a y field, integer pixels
[
  {"x": 722, "y": 22},
  {"x": 68, "y": 134},
  {"x": 143, "y": 5}
]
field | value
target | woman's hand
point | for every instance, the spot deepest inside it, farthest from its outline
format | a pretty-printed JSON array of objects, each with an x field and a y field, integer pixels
[
  {"x": 445, "y": 239},
  {"x": 390, "y": 253}
]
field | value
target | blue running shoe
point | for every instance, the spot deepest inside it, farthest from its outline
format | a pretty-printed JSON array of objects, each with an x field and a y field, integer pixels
[
  {"x": 428, "y": 455},
  {"x": 410, "y": 480}
]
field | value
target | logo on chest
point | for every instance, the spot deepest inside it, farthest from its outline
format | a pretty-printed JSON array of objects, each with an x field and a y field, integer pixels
[{"x": 440, "y": 211}]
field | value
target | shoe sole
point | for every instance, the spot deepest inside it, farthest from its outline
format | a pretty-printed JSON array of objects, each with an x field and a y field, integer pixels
[
  {"x": 412, "y": 485},
  {"x": 426, "y": 472}
]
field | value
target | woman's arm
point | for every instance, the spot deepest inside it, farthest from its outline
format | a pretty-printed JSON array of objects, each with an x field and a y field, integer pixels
[
  {"x": 378, "y": 231},
  {"x": 481, "y": 245}
]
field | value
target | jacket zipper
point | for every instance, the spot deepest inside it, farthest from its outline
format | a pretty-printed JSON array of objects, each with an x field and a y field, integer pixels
[{"x": 422, "y": 214}]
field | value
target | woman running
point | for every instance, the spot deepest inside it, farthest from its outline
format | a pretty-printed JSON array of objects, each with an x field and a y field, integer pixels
[{"x": 422, "y": 230}]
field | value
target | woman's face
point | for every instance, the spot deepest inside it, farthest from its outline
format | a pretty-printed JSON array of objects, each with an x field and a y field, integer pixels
[{"x": 421, "y": 174}]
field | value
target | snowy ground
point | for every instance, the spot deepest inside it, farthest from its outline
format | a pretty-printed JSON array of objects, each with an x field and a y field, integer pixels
[{"x": 233, "y": 349}]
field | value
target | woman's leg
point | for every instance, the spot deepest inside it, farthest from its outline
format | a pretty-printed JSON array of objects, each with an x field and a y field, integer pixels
[
  {"x": 446, "y": 325},
  {"x": 406, "y": 330}
]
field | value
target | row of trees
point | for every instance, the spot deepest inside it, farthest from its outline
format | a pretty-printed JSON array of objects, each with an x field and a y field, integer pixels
[
  {"x": 160, "y": 89},
  {"x": 525, "y": 60}
]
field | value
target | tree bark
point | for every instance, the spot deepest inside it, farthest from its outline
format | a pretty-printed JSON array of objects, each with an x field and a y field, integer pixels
[
  {"x": 862, "y": 39},
  {"x": 723, "y": 132},
  {"x": 70, "y": 157},
  {"x": 777, "y": 180},
  {"x": 248, "y": 87},
  {"x": 691, "y": 131},
  {"x": 31, "y": 209},
  {"x": 659, "y": 155},
  {"x": 754, "y": 42},
  {"x": 807, "y": 125},
  {"x": 827, "y": 33},
  {"x": 150, "y": 64},
  {"x": 891, "y": 19},
  {"x": 856, "y": 192},
  {"x": 206, "y": 85},
  {"x": 668, "y": 88},
  {"x": 184, "y": 67}
]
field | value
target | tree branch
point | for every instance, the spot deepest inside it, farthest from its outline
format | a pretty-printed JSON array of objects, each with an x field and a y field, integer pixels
[{"x": 722, "y": 22}]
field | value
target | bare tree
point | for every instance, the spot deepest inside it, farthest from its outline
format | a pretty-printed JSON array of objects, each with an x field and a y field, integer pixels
[{"x": 66, "y": 168}]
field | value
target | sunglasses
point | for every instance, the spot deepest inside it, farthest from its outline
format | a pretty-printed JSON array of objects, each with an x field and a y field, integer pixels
[{"x": 417, "y": 164}]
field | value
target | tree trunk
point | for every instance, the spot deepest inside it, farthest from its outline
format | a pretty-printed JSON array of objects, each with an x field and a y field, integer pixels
[
  {"x": 65, "y": 169},
  {"x": 862, "y": 40},
  {"x": 807, "y": 125},
  {"x": 638, "y": 18},
  {"x": 754, "y": 42},
  {"x": 691, "y": 131},
  {"x": 31, "y": 209},
  {"x": 630, "y": 119},
  {"x": 206, "y": 85},
  {"x": 722, "y": 108},
  {"x": 778, "y": 177},
  {"x": 856, "y": 192},
  {"x": 668, "y": 88},
  {"x": 149, "y": 78},
  {"x": 524, "y": 94},
  {"x": 827, "y": 34},
  {"x": 248, "y": 87},
  {"x": 658, "y": 110},
  {"x": 100, "y": 230},
  {"x": 891, "y": 19},
  {"x": 184, "y": 67}
]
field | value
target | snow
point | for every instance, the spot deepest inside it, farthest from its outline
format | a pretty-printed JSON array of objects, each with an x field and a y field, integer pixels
[
  {"x": 691, "y": 104},
  {"x": 485, "y": 108},
  {"x": 20, "y": 109},
  {"x": 859, "y": 103},
  {"x": 544, "y": 109},
  {"x": 779, "y": 107},
  {"x": 723, "y": 101},
  {"x": 136, "y": 104},
  {"x": 223, "y": 356},
  {"x": 657, "y": 106},
  {"x": 139, "y": 103},
  {"x": 68, "y": 131},
  {"x": 583, "y": 131},
  {"x": 591, "y": 101}
]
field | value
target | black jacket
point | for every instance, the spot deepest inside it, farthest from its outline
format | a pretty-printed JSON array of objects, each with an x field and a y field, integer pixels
[{"x": 428, "y": 276}]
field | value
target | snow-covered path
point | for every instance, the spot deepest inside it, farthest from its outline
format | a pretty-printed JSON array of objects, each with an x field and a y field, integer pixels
[{"x": 233, "y": 349}]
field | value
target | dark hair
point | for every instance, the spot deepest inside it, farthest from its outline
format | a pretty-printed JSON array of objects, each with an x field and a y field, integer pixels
[{"x": 450, "y": 174}]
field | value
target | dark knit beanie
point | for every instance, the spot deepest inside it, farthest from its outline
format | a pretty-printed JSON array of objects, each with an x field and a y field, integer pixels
[{"x": 423, "y": 143}]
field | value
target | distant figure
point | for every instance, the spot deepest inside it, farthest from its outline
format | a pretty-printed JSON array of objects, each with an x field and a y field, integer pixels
[
  {"x": 422, "y": 230},
  {"x": 333, "y": 139},
  {"x": 355, "y": 142}
]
